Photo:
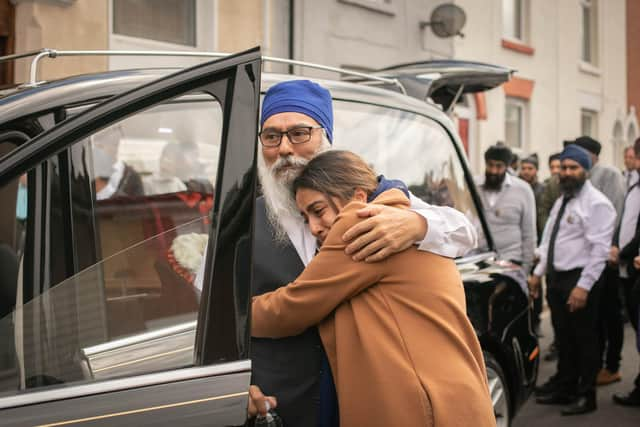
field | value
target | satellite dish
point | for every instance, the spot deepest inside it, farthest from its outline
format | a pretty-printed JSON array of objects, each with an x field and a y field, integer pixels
[{"x": 446, "y": 20}]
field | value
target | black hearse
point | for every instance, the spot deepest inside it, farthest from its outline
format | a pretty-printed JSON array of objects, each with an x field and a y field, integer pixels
[{"x": 111, "y": 184}]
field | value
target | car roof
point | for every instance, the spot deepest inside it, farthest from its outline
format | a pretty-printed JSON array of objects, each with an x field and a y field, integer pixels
[
  {"x": 27, "y": 100},
  {"x": 24, "y": 100}
]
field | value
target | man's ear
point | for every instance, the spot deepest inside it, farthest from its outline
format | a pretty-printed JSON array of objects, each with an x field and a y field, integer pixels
[{"x": 359, "y": 195}]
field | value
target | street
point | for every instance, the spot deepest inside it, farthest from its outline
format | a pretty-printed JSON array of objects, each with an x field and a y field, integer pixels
[{"x": 608, "y": 414}]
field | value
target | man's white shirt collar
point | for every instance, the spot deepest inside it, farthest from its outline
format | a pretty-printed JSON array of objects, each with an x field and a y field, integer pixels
[{"x": 300, "y": 236}]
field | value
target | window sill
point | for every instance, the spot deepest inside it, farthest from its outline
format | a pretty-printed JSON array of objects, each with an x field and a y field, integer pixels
[
  {"x": 151, "y": 44},
  {"x": 588, "y": 68},
  {"x": 517, "y": 46},
  {"x": 386, "y": 8}
]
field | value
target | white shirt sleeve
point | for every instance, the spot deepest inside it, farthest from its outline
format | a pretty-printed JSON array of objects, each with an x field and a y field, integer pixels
[
  {"x": 598, "y": 233},
  {"x": 449, "y": 232},
  {"x": 528, "y": 227}
]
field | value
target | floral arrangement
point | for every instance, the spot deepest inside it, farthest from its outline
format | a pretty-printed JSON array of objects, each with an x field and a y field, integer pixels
[{"x": 186, "y": 253}]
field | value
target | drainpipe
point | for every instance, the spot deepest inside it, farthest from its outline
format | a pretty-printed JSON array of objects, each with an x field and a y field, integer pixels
[
  {"x": 291, "y": 30},
  {"x": 266, "y": 27}
]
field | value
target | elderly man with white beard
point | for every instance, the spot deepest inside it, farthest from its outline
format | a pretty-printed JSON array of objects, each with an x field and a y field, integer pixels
[{"x": 296, "y": 125}]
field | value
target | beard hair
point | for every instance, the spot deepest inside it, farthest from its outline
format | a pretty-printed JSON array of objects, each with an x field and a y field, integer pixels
[
  {"x": 571, "y": 186},
  {"x": 276, "y": 182},
  {"x": 493, "y": 182}
]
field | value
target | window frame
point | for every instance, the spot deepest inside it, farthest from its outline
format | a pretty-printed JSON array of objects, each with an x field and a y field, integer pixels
[
  {"x": 589, "y": 64},
  {"x": 523, "y": 21},
  {"x": 112, "y": 18},
  {"x": 522, "y": 129},
  {"x": 205, "y": 34},
  {"x": 592, "y": 115}
]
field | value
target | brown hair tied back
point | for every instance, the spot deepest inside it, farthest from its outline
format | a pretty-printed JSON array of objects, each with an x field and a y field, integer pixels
[{"x": 337, "y": 173}]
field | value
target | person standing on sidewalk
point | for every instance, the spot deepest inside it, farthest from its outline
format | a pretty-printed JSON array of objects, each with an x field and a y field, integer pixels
[
  {"x": 575, "y": 246},
  {"x": 529, "y": 174},
  {"x": 510, "y": 210},
  {"x": 625, "y": 252},
  {"x": 630, "y": 172},
  {"x": 610, "y": 182},
  {"x": 550, "y": 194}
]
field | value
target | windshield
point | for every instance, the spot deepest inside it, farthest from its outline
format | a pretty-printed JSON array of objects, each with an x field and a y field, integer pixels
[{"x": 410, "y": 147}]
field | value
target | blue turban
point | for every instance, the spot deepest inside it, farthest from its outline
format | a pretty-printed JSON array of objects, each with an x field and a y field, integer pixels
[
  {"x": 300, "y": 96},
  {"x": 578, "y": 154}
]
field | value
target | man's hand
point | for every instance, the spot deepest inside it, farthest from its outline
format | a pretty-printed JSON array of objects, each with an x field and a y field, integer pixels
[
  {"x": 259, "y": 403},
  {"x": 577, "y": 299},
  {"x": 614, "y": 253},
  {"x": 387, "y": 230},
  {"x": 534, "y": 285},
  {"x": 636, "y": 262}
]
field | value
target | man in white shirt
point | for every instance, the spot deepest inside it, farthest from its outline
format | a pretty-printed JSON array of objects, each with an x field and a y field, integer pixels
[
  {"x": 626, "y": 244},
  {"x": 575, "y": 246},
  {"x": 611, "y": 183},
  {"x": 630, "y": 172}
]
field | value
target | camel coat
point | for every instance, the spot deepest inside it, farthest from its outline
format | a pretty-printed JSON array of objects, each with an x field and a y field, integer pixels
[{"x": 401, "y": 349}]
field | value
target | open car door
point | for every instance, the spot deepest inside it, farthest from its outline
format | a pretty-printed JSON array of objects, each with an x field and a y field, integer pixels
[{"x": 114, "y": 209}]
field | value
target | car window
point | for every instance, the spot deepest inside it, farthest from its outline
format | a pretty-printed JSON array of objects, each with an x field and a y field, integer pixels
[
  {"x": 139, "y": 202},
  {"x": 410, "y": 147},
  {"x": 13, "y": 208}
]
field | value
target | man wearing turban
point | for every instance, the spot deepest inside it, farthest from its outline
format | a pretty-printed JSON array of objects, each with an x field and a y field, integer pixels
[
  {"x": 573, "y": 252},
  {"x": 510, "y": 210},
  {"x": 297, "y": 124}
]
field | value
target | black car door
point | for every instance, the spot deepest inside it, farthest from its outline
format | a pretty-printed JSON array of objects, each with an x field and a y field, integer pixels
[{"x": 125, "y": 230}]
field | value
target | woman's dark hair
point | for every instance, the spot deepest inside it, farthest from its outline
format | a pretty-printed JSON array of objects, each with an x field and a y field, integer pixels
[{"x": 337, "y": 173}]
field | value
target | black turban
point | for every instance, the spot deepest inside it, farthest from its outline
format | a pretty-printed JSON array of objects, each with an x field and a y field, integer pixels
[
  {"x": 589, "y": 144},
  {"x": 499, "y": 152}
]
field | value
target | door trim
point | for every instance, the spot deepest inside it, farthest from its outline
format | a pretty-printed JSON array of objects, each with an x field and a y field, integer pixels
[
  {"x": 146, "y": 409},
  {"x": 82, "y": 390}
]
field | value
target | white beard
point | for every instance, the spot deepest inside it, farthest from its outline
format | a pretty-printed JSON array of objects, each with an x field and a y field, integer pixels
[{"x": 277, "y": 191}]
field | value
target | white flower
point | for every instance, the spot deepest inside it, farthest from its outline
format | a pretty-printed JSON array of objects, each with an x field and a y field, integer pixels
[{"x": 188, "y": 250}]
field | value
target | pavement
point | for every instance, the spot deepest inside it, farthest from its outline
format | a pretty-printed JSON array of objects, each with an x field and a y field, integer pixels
[{"x": 608, "y": 413}]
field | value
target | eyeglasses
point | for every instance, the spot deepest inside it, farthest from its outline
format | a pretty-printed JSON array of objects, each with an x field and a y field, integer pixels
[{"x": 298, "y": 135}]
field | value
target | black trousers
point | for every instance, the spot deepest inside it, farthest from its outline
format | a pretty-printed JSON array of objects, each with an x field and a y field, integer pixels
[
  {"x": 610, "y": 316},
  {"x": 632, "y": 305},
  {"x": 576, "y": 334},
  {"x": 630, "y": 300}
]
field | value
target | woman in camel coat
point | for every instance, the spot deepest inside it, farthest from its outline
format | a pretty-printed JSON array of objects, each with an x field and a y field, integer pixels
[{"x": 401, "y": 349}]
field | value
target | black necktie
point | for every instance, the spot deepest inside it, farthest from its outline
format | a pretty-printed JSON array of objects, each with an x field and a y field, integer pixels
[{"x": 554, "y": 234}]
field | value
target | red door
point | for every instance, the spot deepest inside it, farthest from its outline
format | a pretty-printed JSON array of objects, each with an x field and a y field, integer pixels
[{"x": 463, "y": 131}]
